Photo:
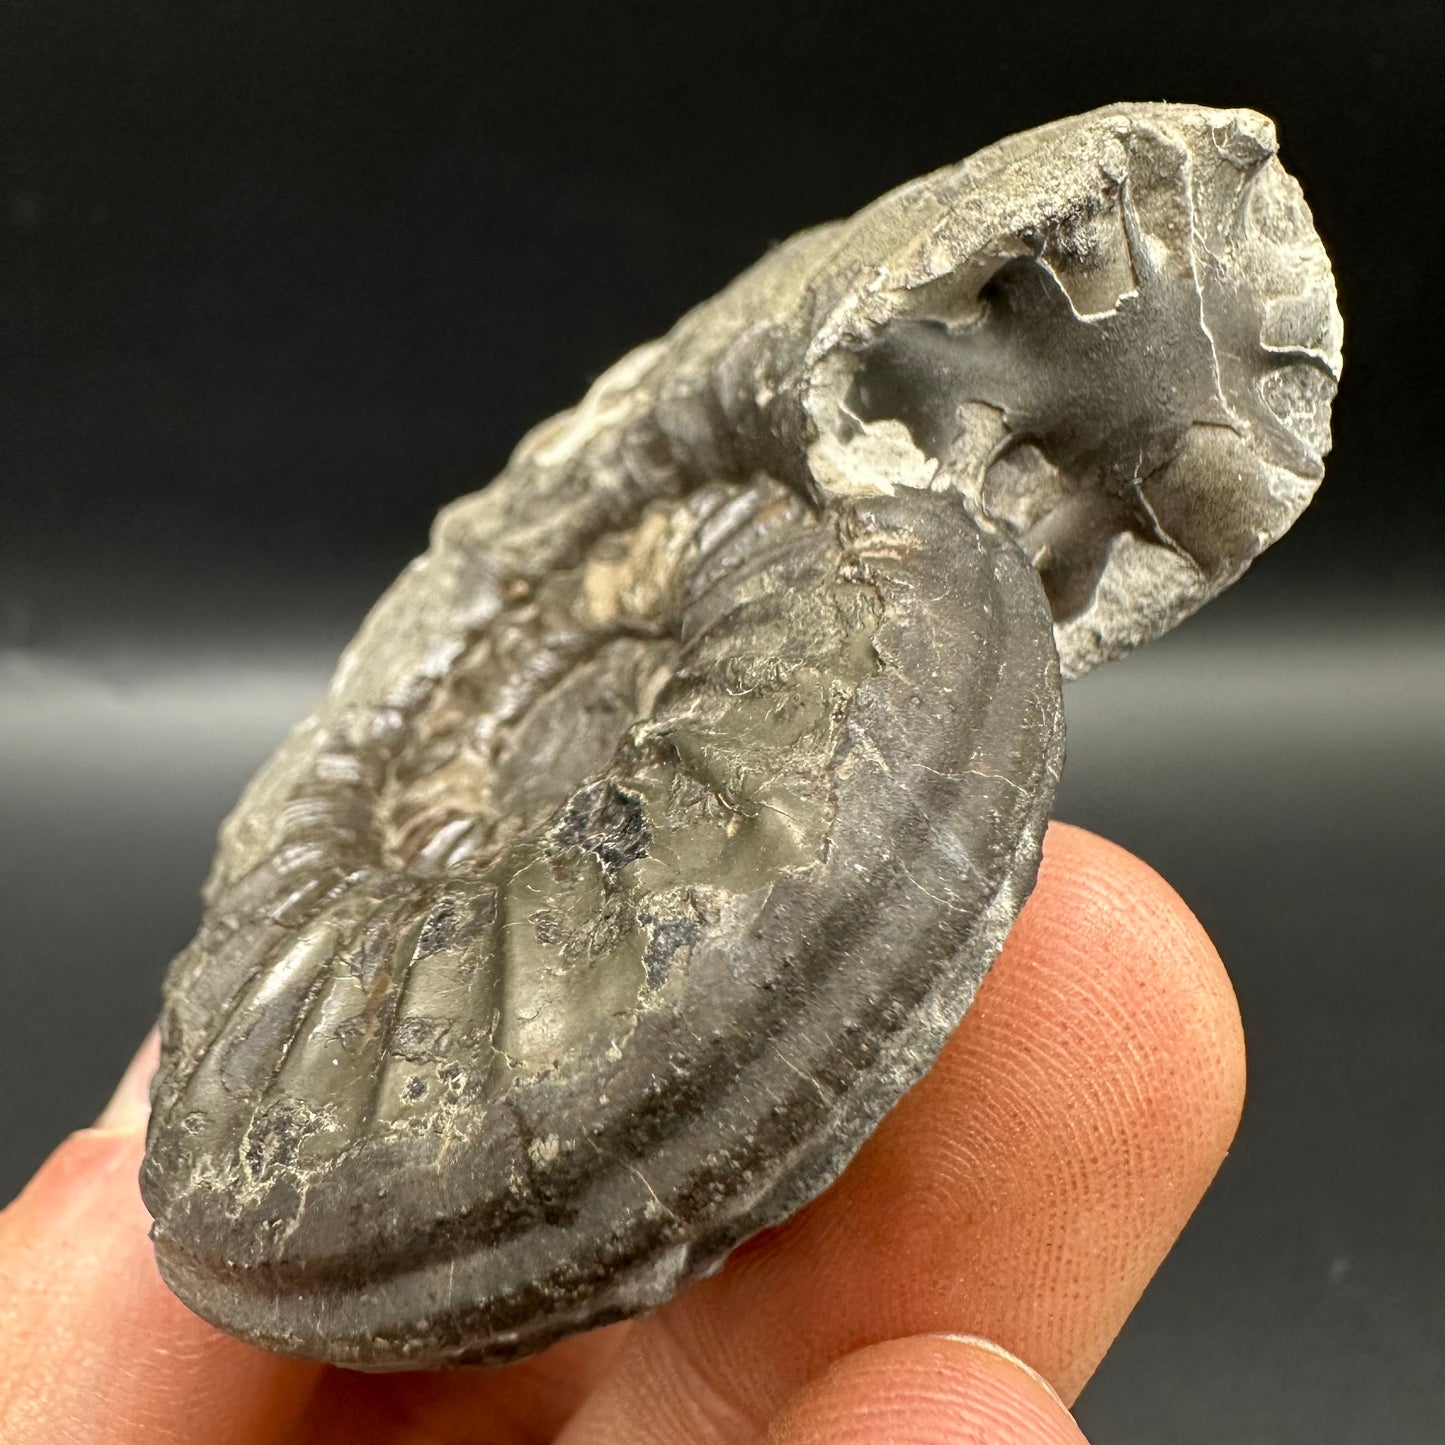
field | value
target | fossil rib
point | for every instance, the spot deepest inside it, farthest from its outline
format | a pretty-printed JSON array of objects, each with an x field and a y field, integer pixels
[{"x": 662, "y": 820}]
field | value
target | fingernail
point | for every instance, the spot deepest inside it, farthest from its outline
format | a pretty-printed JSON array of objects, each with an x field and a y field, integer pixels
[
  {"x": 130, "y": 1105},
  {"x": 979, "y": 1342}
]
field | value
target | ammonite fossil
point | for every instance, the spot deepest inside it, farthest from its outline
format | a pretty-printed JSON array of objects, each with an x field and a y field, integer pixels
[{"x": 661, "y": 821}]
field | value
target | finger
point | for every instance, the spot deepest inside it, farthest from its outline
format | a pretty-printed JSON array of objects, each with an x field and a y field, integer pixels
[
  {"x": 522, "y": 1404},
  {"x": 926, "y": 1390},
  {"x": 95, "y": 1346},
  {"x": 1025, "y": 1190}
]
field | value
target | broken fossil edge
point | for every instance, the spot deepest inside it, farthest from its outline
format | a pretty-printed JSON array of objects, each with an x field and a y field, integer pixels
[{"x": 1107, "y": 347}]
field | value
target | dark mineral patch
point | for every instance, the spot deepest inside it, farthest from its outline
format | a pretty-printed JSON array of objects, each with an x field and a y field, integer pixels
[{"x": 607, "y": 821}]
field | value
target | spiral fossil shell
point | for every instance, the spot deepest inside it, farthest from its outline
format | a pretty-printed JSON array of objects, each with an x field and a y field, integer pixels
[{"x": 662, "y": 820}]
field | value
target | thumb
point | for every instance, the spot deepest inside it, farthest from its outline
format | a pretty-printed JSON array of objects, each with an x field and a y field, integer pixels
[
  {"x": 926, "y": 1390},
  {"x": 95, "y": 1346}
]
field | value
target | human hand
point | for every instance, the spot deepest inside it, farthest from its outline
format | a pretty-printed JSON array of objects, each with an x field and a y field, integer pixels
[{"x": 1011, "y": 1208}]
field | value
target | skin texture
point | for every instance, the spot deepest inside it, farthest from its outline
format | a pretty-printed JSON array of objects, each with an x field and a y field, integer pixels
[{"x": 1014, "y": 1204}]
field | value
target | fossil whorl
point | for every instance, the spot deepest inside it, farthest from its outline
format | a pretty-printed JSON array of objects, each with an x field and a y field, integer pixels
[{"x": 661, "y": 821}]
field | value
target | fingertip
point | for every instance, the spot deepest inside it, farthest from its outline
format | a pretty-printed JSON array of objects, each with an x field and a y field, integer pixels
[
  {"x": 96, "y": 1347},
  {"x": 1108, "y": 1037},
  {"x": 1030, "y": 1185},
  {"x": 109, "y": 1148},
  {"x": 1108, "y": 908},
  {"x": 934, "y": 1389},
  {"x": 128, "y": 1110},
  {"x": 1025, "y": 1190}
]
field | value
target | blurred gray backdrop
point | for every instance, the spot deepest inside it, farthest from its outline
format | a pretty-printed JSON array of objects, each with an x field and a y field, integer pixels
[{"x": 276, "y": 286}]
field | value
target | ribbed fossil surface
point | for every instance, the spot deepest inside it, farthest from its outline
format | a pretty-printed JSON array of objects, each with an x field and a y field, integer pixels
[{"x": 662, "y": 820}]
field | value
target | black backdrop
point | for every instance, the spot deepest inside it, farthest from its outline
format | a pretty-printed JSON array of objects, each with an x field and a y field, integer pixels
[{"x": 278, "y": 281}]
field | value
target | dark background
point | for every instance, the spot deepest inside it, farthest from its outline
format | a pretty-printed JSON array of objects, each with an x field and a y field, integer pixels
[{"x": 276, "y": 285}]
